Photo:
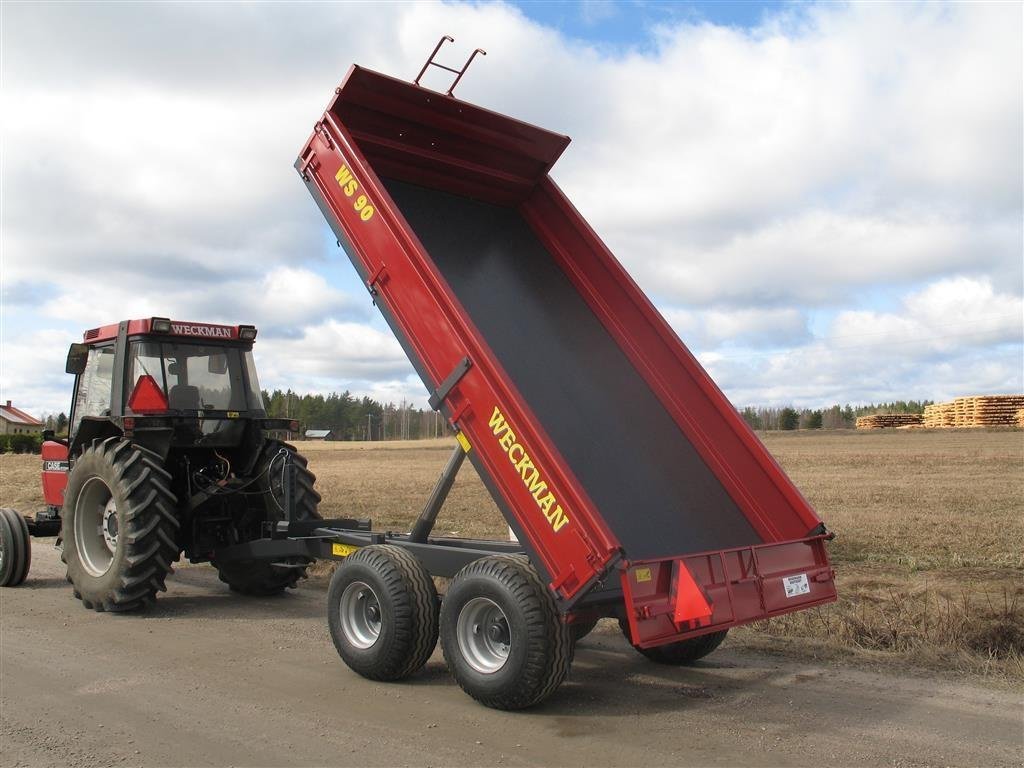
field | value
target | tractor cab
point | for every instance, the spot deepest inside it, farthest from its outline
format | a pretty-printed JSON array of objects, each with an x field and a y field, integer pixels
[{"x": 166, "y": 383}]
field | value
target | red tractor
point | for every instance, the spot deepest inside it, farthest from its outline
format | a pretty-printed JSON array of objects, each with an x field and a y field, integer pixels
[{"x": 169, "y": 450}]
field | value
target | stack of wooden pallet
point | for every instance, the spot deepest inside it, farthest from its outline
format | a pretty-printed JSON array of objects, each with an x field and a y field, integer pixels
[
  {"x": 982, "y": 411},
  {"x": 889, "y": 420},
  {"x": 1020, "y": 418},
  {"x": 939, "y": 415}
]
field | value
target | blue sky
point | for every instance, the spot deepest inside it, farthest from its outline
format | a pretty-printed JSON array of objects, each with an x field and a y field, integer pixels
[
  {"x": 824, "y": 200},
  {"x": 632, "y": 22}
]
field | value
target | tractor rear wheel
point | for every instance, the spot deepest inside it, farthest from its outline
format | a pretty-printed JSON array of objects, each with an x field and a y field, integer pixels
[
  {"x": 504, "y": 641},
  {"x": 118, "y": 526},
  {"x": 382, "y": 612},
  {"x": 682, "y": 653},
  {"x": 15, "y": 548},
  {"x": 269, "y": 577}
]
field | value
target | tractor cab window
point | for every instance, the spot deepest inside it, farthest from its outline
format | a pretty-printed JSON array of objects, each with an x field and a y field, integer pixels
[
  {"x": 197, "y": 377},
  {"x": 94, "y": 386}
]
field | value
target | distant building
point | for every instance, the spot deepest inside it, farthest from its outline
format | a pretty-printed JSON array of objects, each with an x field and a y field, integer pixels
[
  {"x": 17, "y": 422},
  {"x": 319, "y": 434}
]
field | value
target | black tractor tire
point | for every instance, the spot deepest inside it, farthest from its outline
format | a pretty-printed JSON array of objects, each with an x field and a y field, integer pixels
[
  {"x": 581, "y": 629},
  {"x": 15, "y": 548},
  {"x": 382, "y": 612},
  {"x": 119, "y": 526},
  {"x": 682, "y": 653},
  {"x": 260, "y": 578},
  {"x": 504, "y": 640}
]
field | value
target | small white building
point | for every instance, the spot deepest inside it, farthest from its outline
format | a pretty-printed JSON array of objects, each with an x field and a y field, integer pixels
[{"x": 318, "y": 434}]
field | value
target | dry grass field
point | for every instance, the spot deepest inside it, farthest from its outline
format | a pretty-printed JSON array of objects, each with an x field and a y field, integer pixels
[{"x": 929, "y": 524}]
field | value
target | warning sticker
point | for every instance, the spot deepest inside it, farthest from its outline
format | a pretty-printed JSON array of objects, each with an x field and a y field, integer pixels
[
  {"x": 796, "y": 585},
  {"x": 342, "y": 550}
]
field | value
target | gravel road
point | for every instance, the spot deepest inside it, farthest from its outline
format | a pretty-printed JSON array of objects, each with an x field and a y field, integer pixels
[{"x": 209, "y": 678}]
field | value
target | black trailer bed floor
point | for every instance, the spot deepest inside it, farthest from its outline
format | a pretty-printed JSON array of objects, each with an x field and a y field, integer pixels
[{"x": 648, "y": 482}]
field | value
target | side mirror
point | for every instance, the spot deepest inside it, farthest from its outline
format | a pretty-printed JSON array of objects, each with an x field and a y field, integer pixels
[
  {"x": 78, "y": 356},
  {"x": 217, "y": 363}
]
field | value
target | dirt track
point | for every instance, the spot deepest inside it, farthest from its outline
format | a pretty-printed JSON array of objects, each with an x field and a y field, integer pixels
[{"x": 208, "y": 678}]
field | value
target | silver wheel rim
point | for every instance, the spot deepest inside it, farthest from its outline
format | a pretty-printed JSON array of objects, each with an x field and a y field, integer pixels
[
  {"x": 96, "y": 527},
  {"x": 483, "y": 635},
  {"x": 360, "y": 615}
]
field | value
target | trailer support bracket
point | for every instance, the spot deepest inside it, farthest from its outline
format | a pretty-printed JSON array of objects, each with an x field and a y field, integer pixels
[
  {"x": 441, "y": 393},
  {"x": 425, "y": 522}
]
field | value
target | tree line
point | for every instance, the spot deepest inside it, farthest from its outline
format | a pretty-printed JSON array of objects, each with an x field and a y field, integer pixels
[
  {"x": 349, "y": 417},
  {"x": 836, "y": 417},
  {"x": 355, "y": 418}
]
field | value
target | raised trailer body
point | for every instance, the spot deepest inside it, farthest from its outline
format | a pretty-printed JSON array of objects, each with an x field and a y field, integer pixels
[{"x": 628, "y": 477}]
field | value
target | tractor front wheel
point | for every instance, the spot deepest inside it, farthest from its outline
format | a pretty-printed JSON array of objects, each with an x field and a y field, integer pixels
[
  {"x": 118, "y": 526},
  {"x": 15, "y": 548},
  {"x": 270, "y": 577}
]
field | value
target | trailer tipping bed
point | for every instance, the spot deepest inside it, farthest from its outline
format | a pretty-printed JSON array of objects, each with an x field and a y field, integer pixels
[{"x": 625, "y": 472}]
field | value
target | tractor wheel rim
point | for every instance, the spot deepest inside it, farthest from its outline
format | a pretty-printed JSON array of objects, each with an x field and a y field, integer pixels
[
  {"x": 360, "y": 615},
  {"x": 483, "y": 635},
  {"x": 96, "y": 527},
  {"x": 109, "y": 526}
]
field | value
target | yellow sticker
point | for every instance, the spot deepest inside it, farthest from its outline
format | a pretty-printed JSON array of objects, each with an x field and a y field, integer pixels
[
  {"x": 642, "y": 575},
  {"x": 232, "y": 414},
  {"x": 463, "y": 441},
  {"x": 343, "y": 550}
]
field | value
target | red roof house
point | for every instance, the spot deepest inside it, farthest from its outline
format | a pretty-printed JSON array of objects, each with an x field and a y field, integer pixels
[{"x": 14, "y": 421}]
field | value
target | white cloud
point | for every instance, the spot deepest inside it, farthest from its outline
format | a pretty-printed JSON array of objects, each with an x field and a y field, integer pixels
[
  {"x": 953, "y": 337},
  {"x": 836, "y": 156},
  {"x": 32, "y": 371},
  {"x": 748, "y": 326},
  {"x": 332, "y": 356}
]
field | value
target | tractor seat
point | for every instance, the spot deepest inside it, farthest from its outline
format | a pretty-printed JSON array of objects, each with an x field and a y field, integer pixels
[{"x": 183, "y": 397}]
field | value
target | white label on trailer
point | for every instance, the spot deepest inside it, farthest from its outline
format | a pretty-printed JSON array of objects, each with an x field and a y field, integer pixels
[{"x": 796, "y": 585}]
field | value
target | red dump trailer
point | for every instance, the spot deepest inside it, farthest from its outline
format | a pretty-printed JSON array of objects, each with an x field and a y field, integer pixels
[{"x": 634, "y": 488}]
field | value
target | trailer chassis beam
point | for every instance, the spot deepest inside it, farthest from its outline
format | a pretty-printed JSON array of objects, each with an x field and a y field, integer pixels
[{"x": 440, "y": 556}]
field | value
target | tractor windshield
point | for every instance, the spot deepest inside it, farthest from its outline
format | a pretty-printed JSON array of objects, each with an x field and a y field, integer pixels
[{"x": 197, "y": 376}]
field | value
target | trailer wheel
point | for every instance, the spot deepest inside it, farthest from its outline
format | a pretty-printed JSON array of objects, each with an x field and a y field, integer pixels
[
  {"x": 270, "y": 577},
  {"x": 15, "y": 548},
  {"x": 119, "y": 526},
  {"x": 682, "y": 653},
  {"x": 504, "y": 641},
  {"x": 382, "y": 612}
]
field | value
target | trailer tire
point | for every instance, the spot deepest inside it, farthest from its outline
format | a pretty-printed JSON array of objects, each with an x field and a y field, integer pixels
[
  {"x": 260, "y": 578},
  {"x": 382, "y": 612},
  {"x": 682, "y": 653},
  {"x": 504, "y": 640},
  {"x": 119, "y": 526},
  {"x": 15, "y": 548}
]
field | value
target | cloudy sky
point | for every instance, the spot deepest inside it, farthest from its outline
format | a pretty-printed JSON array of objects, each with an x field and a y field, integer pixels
[{"x": 824, "y": 200}]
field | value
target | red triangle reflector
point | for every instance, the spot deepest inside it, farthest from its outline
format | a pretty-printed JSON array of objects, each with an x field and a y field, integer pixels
[
  {"x": 690, "y": 605},
  {"x": 147, "y": 397}
]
